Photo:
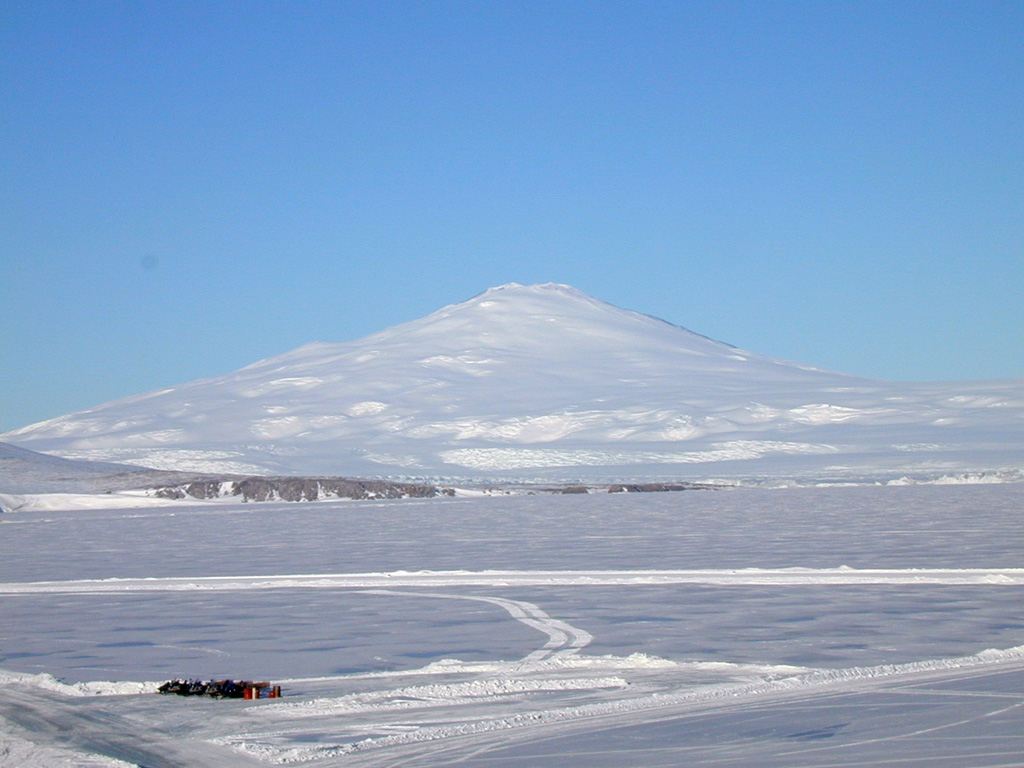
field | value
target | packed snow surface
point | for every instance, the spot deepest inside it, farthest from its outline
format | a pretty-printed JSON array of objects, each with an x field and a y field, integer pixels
[
  {"x": 763, "y": 628},
  {"x": 544, "y": 382}
]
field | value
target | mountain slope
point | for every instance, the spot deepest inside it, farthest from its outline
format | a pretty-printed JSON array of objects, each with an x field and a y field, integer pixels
[
  {"x": 25, "y": 471},
  {"x": 544, "y": 382}
]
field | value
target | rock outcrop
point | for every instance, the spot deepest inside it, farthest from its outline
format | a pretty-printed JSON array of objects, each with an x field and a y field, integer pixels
[{"x": 296, "y": 489}]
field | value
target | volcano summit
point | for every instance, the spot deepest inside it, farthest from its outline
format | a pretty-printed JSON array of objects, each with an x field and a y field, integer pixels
[{"x": 546, "y": 383}]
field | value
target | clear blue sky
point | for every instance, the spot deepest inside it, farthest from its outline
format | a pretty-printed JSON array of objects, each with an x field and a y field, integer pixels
[{"x": 188, "y": 187}]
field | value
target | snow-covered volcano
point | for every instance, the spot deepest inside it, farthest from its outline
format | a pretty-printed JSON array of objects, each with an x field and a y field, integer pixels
[{"x": 545, "y": 382}]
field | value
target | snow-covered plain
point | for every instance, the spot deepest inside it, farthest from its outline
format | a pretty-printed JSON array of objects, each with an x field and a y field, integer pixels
[{"x": 872, "y": 625}]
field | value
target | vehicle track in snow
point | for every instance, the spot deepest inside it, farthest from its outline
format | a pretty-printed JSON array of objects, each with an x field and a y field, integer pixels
[{"x": 563, "y": 638}]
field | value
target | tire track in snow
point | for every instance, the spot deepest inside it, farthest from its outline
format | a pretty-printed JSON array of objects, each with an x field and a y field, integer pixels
[{"x": 563, "y": 638}]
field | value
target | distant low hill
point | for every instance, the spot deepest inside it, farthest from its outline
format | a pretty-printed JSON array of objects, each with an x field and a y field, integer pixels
[{"x": 25, "y": 471}]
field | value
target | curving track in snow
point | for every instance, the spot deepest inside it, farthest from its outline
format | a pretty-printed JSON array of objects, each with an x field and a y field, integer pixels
[{"x": 563, "y": 638}]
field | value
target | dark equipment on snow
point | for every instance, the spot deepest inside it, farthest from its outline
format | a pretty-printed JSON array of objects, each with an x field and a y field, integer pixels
[{"x": 220, "y": 689}]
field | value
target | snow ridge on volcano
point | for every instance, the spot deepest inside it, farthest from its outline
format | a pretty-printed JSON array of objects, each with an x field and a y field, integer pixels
[{"x": 541, "y": 382}]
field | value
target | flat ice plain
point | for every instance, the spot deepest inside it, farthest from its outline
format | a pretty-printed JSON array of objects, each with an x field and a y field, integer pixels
[{"x": 816, "y": 627}]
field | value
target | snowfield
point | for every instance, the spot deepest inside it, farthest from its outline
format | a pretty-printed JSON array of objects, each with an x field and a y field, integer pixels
[{"x": 870, "y": 625}]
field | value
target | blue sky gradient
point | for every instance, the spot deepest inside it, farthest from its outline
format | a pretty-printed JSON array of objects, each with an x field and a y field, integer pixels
[{"x": 186, "y": 188}]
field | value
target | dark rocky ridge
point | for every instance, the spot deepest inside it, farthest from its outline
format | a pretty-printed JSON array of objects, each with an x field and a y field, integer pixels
[
  {"x": 256, "y": 488},
  {"x": 296, "y": 489},
  {"x": 658, "y": 487}
]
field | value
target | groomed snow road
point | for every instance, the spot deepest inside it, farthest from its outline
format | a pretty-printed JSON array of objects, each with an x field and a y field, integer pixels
[{"x": 746, "y": 576}]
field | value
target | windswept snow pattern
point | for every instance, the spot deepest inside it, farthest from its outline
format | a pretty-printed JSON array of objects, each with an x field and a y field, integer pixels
[{"x": 544, "y": 382}]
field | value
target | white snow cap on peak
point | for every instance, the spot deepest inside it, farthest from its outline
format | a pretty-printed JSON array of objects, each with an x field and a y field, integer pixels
[
  {"x": 537, "y": 290},
  {"x": 542, "y": 298},
  {"x": 552, "y": 319}
]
